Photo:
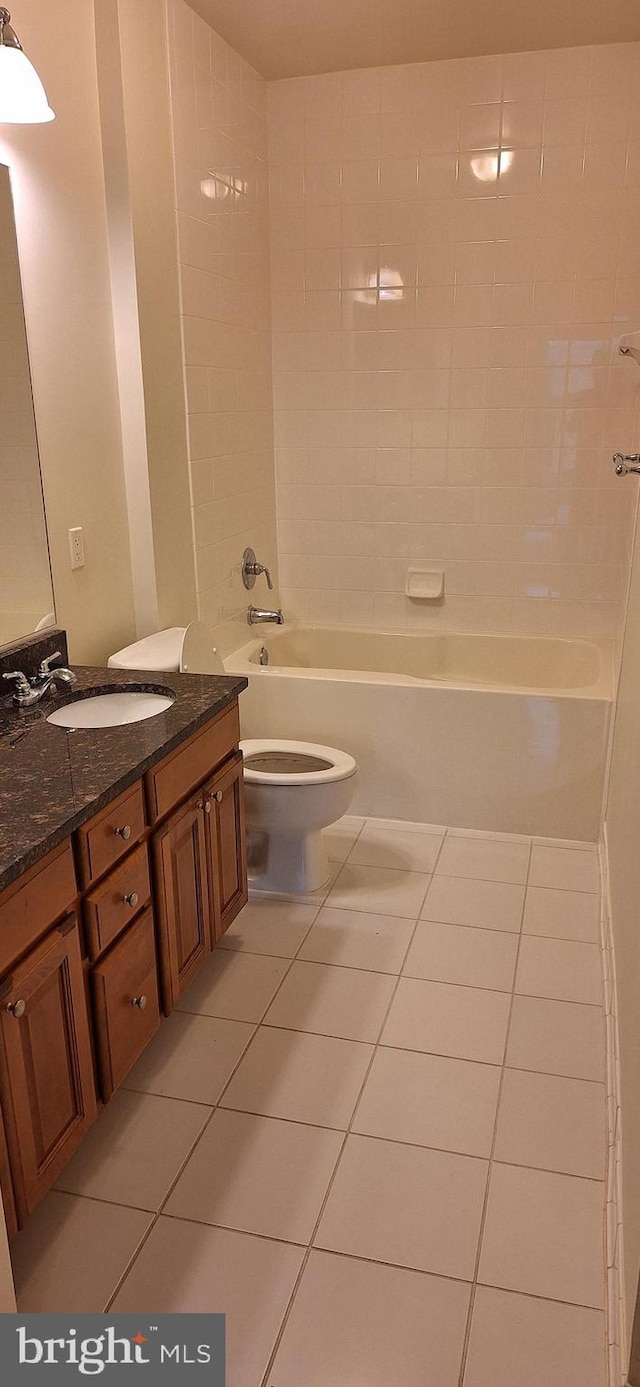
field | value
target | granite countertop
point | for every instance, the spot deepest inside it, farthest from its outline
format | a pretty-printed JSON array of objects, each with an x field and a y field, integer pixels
[{"x": 52, "y": 780}]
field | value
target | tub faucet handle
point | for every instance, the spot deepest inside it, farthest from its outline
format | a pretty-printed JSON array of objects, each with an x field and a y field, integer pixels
[{"x": 251, "y": 570}]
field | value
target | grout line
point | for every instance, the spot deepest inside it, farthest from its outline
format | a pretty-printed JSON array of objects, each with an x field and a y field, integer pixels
[
  {"x": 305, "y": 1260},
  {"x": 499, "y": 881},
  {"x": 485, "y": 1206},
  {"x": 458, "y": 1280}
]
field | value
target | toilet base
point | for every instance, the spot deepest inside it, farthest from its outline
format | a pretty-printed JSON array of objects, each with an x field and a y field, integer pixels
[{"x": 287, "y": 863}]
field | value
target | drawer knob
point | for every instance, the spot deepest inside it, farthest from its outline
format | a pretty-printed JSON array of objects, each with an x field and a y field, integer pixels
[
  {"x": 131, "y": 900},
  {"x": 124, "y": 832},
  {"x": 218, "y": 796},
  {"x": 17, "y": 1009},
  {"x": 140, "y": 1002}
]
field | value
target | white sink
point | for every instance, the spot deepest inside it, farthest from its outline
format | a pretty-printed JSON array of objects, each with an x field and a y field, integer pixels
[{"x": 110, "y": 709}]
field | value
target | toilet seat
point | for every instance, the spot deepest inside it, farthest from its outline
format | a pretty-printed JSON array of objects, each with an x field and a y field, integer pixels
[{"x": 340, "y": 765}]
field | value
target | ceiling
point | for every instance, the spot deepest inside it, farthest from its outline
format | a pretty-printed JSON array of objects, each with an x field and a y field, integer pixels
[{"x": 293, "y": 38}]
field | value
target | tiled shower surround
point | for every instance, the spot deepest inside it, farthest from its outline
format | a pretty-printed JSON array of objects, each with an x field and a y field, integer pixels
[
  {"x": 453, "y": 260},
  {"x": 454, "y": 257}
]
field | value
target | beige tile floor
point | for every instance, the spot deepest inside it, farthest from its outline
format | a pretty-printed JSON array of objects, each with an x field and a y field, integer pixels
[{"x": 373, "y": 1133}]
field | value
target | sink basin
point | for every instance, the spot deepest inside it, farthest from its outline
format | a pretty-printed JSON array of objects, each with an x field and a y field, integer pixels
[{"x": 110, "y": 709}]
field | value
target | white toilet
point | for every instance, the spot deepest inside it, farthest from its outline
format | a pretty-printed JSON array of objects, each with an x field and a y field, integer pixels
[{"x": 292, "y": 789}]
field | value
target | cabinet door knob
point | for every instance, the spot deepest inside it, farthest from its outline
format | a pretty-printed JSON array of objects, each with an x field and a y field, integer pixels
[
  {"x": 207, "y": 807},
  {"x": 132, "y": 899},
  {"x": 139, "y": 1002},
  {"x": 124, "y": 832},
  {"x": 17, "y": 1009},
  {"x": 218, "y": 796}
]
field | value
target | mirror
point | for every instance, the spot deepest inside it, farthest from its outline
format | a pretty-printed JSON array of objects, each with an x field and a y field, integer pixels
[{"x": 26, "y": 593}]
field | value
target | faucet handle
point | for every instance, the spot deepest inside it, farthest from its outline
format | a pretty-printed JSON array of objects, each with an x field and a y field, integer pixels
[
  {"x": 22, "y": 683},
  {"x": 251, "y": 570},
  {"x": 45, "y": 667}
]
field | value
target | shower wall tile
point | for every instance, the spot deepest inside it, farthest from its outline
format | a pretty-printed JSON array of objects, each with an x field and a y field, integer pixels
[
  {"x": 454, "y": 257},
  {"x": 219, "y": 111}
]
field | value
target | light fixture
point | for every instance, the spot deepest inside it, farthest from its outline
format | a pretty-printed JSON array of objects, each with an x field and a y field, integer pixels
[
  {"x": 488, "y": 167},
  {"x": 23, "y": 100}
]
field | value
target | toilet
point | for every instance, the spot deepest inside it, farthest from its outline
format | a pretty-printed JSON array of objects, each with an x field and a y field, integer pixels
[{"x": 292, "y": 789}]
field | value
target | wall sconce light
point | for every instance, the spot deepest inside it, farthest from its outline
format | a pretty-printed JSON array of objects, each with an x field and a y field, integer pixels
[{"x": 23, "y": 100}]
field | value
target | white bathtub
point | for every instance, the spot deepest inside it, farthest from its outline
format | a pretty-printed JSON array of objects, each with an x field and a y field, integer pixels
[{"x": 505, "y": 733}]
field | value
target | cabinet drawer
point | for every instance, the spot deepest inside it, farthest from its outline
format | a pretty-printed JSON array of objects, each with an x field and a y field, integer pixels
[
  {"x": 111, "y": 834},
  {"x": 34, "y": 903},
  {"x": 125, "y": 977},
  {"x": 112, "y": 905},
  {"x": 180, "y": 773}
]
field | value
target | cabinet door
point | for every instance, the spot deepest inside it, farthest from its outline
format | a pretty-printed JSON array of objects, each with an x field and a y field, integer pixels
[
  {"x": 226, "y": 843},
  {"x": 47, "y": 1085},
  {"x": 126, "y": 1007},
  {"x": 185, "y": 929}
]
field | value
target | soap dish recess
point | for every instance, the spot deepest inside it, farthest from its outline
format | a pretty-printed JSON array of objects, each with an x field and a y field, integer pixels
[{"x": 425, "y": 584}]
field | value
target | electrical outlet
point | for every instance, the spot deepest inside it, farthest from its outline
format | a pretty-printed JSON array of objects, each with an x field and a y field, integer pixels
[{"x": 76, "y": 547}]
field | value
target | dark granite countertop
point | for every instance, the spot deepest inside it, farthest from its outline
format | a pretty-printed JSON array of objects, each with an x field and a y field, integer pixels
[{"x": 53, "y": 780}]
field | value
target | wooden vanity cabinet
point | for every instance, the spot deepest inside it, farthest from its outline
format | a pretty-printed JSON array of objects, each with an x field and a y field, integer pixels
[
  {"x": 162, "y": 873},
  {"x": 46, "y": 1064}
]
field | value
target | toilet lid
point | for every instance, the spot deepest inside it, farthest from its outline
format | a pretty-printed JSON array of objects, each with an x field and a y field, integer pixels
[{"x": 272, "y": 761}]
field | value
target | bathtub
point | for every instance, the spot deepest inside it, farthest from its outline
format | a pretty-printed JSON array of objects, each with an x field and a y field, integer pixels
[{"x": 502, "y": 733}]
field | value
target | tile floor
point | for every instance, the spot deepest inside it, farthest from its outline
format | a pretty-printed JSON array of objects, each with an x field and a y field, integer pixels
[{"x": 373, "y": 1133}]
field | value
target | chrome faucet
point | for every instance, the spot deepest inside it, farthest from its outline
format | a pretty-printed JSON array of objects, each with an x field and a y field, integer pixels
[
  {"x": 255, "y": 615},
  {"x": 30, "y": 691},
  {"x": 624, "y": 463}
]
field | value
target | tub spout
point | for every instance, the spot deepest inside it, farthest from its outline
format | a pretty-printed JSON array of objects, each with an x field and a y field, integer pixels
[{"x": 256, "y": 615}]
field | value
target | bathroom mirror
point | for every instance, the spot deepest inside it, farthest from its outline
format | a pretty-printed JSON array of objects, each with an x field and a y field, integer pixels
[{"x": 26, "y": 593}]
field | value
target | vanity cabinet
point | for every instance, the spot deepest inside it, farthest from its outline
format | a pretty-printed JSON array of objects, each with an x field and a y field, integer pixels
[{"x": 101, "y": 937}]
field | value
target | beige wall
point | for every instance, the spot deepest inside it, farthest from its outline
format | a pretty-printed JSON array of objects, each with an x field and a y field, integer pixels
[
  {"x": 59, "y": 198},
  {"x": 464, "y": 419},
  {"x": 220, "y": 147}
]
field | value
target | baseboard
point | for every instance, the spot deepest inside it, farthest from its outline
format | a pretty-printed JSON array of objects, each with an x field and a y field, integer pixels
[{"x": 615, "y": 1306}]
